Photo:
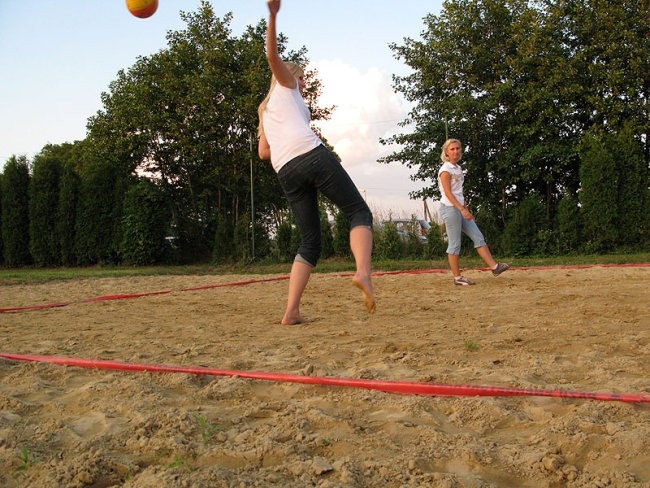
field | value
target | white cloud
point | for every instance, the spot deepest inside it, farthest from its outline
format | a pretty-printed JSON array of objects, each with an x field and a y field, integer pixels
[{"x": 367, "y": 109}]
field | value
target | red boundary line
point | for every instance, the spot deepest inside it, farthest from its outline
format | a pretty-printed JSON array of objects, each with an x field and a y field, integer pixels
[
  {"x": 282, "y": 278},
  {"x": 403, "y": 387}
]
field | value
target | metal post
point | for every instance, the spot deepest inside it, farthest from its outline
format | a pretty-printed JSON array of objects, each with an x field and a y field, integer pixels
[{"x": 250, "y": 139}]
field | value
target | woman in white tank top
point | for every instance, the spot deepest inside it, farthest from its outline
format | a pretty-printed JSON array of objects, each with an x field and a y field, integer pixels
[
  {"x": 306, "y": 167},
  {"x": 457, "y": 216}
]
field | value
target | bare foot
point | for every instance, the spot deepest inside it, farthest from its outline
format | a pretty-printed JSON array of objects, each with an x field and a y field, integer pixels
[
  {"x": 366, "y": 288},
  {"x": 294, "y": 320}
]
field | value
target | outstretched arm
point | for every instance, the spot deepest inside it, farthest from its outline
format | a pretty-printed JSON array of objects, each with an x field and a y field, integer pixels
[{"x": 278, "y": 68}]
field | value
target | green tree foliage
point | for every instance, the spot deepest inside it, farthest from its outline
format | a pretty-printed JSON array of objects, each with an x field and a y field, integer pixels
[
  {"x": 527, "y": 231},
  {"x": 435, "y": 247},
  {"x": 341, "y": 235},
  {"x": 224, "y": 245},
  {"x": 598, "y": 195},
  {"x": 520, "y": 83},
  {"x": 285, "y": 250},
  {"x": 413, "y": 246},
  {"x": 95, "y": 240},
  {"x": 44, "y": 188},
  {"x": 460, "y": 87},
  {"x": 67, "y": 214},
  {"x": 242, "y": 239},
  {"x": 145, "y": 225},
  {"x": 568, "y": 225},
  {"x": 263, "y": 244},
  {"x": 15, "y": 212},
  {"x": 326, "y": 235},
  {"x": 614, "y": 188},
  {"x": 633, "y": 183},
  {"x": 388, "y": 243},
  {"x": 1, "y": 243},
  {"x": 296, "y": 239},
  {"x": 187, "y": 115},
  {"x": 251, "y": 240}
]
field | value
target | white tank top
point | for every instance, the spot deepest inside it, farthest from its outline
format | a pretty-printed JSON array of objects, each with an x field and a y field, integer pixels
[
  {"x": 286, "y": 126},
  {"x": 457, "y": 179}
]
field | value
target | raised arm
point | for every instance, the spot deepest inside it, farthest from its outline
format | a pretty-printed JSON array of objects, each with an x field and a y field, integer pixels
[{"x": 278, "y": 68}]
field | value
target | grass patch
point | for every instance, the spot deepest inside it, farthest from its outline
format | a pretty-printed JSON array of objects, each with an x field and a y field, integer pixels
[{"x": 334, "y": 265}]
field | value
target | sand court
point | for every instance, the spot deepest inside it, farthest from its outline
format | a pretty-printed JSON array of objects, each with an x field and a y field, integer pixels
[{"x": 583, "y": 329}]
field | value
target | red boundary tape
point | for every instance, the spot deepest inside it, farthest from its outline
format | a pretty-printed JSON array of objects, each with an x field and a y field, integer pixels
[
  {"x": 405, "y": 387},
  {"x": 281, "y": 278}
]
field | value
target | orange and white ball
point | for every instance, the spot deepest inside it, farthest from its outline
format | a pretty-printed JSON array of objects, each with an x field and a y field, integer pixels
[{"x": 142, "y": 8}]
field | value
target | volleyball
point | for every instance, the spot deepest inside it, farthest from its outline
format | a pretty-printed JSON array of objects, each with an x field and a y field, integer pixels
[{"x": 142, "y": 8}]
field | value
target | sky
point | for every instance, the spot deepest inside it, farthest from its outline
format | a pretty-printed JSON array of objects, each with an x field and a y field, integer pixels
[{"x": 58, "y": 56}]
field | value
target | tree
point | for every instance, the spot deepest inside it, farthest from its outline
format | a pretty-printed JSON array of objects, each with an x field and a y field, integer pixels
[
  {"x": 632, "y": 176},
  {"x": 342, "y": 235},
  {"x": 388, "y": 242},
  {"x": 145, "y": 225},
  {"x": 96, "y": 219},
  {"x": 1, "y": 244},
  {"x": 326, "y": 236},
  {"x": 598, "y": 194},
  {"x": 15, "y": 212},
  {"x": 527, "y": 231},
  {"x": 187, "y": 117},
  {"x": 520, "y": 83},
  {"x": 435, "y": 247},
  {"x": 285, "y": 250},
  {"x": 607, "y": 62},
  {"x": 223, "y": 240},
  {"x": 67, "y": 213},
  {"x": 568, "y": 225},
  {"x": 460, "y": 87},
  {"x": 45, "y": 243}
]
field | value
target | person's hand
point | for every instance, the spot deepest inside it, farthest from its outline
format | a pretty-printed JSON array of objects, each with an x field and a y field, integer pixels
[
  {"x": 274, "y": 6},
  {"x": 467, "y": 215}
]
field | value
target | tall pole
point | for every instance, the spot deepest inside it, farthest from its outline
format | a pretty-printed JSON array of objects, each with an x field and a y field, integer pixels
[{"x": 250, "y": 140}]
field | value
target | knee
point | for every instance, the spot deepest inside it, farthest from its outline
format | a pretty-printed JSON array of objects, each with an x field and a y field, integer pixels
[
  {"x": 308, "y": 256},
  {"x": 361, "y": 217},
  {"x": 309, "y": 253},
  {"x": 453, "y": 244}
]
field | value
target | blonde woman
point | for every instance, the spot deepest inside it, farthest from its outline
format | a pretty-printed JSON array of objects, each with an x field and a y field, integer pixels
[
  {"x": 305, "y": 167},
  {"x": 456, "y": 215}
]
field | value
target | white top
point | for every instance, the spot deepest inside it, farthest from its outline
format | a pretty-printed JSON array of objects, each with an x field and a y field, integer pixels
[
  {"x": 286, "y": 126},
  {"x": 457, "y": 178}
]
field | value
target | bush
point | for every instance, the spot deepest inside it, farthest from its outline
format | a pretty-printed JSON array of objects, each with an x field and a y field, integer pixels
[
  {"x": 45, "y": 244},
  {"x": 144, "y": 225},
  {"x": 598, "y": 195},
  {"x": 527, "y": 232},
  {"x": 286, "y": 251},
  {"x": 388, "y": 243},
  {"x": 67, "y": 216},
  {"x": 436, "y": 246},
  {"x": 567, "y": 225},
  {"x": 341, "y": 242},
  {"x": 326, "y": 236},
  {"x": 15, "y": 212},
  {"x": 223, "y": 248}
]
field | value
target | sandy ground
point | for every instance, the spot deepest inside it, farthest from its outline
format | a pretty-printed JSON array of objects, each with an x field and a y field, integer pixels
[{"x": 584, "y": 329}]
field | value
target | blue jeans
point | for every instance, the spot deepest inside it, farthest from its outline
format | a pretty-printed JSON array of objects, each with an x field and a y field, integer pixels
[
  {"x": 301, "y": 179},
  {"x": 455, "y": 224}
]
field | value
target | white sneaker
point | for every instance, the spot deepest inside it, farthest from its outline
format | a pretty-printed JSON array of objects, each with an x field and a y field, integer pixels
[{"x": 462, "y": 281}]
